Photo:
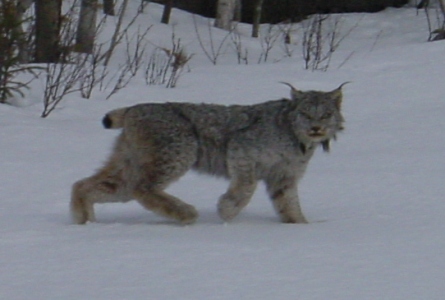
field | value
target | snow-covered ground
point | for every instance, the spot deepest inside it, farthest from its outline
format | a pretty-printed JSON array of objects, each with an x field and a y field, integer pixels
[{"x": 375, "y": 203}]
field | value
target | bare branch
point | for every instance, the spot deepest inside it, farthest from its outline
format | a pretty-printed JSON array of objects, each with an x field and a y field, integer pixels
[{"x": 212, "y": 52}]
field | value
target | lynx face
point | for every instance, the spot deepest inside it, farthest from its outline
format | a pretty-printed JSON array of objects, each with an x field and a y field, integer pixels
[{"x": 317, "y": 115}]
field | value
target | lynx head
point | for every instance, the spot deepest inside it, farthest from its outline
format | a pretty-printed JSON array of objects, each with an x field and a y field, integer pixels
[{"x": 315, "y": 115}]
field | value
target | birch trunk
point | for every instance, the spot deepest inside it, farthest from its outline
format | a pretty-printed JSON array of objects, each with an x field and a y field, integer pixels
[
  {"x": 225, "y": 14},
  {"x": 47, "y": 30},
  {"x": 24, "y": 53},
  {"x": 86, "y": 28},
  {"x": 257, "y": 18}
]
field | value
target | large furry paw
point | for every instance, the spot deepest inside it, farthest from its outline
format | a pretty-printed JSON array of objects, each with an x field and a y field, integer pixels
[
  {"x": 188, "y": 215},
  {"x": 81, "y": 213},
  {"x": 227, "y": 209}
]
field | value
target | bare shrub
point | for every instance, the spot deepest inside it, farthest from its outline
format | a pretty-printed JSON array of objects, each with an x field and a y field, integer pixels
[
  {"x": 242, "y": 54},
  {"x": 94, "y": 70},
  {"x": 94, "y": 73},
  {"x": 268, "y": 39},
  {"x": 62, "y": 79},
  {"x": 212, "y": 49},
  {"x": 143, "y": 5},
  {"x": 119, "y": 33},
  {"x": 436, "y": 23},
  {"x": 321, "y": 38},
  {"x": 287, "y": 45},
  {"x": 166, "y": 65},
  {"x": 267, "y": 42},
  {"x": 78, "y": 72},
  {"x": 135, "y": 52},
  {"x": 180, "y": 58}
]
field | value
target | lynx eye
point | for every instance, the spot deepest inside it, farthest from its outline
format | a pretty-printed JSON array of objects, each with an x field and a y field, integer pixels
[
  {"x": 306, "y": 115},
  {"x": 326, "y": 116}
]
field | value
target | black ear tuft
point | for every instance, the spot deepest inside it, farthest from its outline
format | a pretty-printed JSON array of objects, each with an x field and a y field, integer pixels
[
  {"x": 294, "y": 93},
  {"x": 106, "y": 121}
]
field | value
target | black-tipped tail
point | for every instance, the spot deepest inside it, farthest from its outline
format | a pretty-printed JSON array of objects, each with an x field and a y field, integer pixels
[
  {"x": 114, "y": 118},
  {"x": 107, "y": 122}
]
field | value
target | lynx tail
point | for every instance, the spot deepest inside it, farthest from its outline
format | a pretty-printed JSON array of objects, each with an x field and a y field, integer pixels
[{"x": 114, "y": 119}]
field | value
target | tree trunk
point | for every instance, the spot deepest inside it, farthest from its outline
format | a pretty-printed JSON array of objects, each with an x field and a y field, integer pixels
[
  {"x": 24, "y": 53},
  {"x": 167, "y": 11},
  {"x": 238, "y": 14},
  {"x": 86, "y": 29},
  {"x": 257, "y": 18},
  {"x": 225, "y": 14},
  {"x": 47, "y": 30},
  {"x": 109, "y": 7}
]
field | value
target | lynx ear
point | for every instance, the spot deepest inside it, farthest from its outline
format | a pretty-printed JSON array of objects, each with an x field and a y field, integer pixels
[
  {"x": 337, "y": 94},
  {"x": 294, "y": 93}
]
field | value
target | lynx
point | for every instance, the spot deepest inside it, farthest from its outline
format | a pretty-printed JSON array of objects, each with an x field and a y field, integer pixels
[{"x": 271, "y": 141}]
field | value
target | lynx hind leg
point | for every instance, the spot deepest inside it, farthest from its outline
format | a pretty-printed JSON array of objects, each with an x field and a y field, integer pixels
[
  {"x": 95, "y": 189},
  {"x": 242, "y": 186},
  {"x": 173, "y": 149},
  {"x": 284, "y": 196},
  {"x": 81, "y": 209},
  {"x": 156, "y": 175}
]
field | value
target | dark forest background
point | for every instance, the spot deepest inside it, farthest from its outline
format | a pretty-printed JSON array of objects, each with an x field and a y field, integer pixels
[{"x": 275, "y": 11}]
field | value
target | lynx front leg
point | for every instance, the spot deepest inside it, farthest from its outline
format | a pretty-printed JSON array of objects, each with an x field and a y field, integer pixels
[
  {"x": 242, "y": 186},
  {"x": 284, "y": 196},
  {"x": 166, "y": 205}
]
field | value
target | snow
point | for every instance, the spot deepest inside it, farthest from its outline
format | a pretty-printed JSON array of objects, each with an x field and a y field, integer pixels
[{"x": 375, "y": 203}]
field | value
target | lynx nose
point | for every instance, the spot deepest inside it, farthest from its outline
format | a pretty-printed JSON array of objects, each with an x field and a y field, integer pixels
[{"x": 316, "y": 131}]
